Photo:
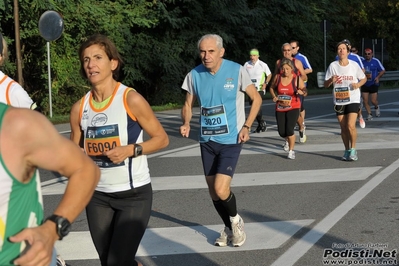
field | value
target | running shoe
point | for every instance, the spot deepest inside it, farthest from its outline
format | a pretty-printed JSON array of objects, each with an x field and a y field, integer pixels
[
  {"x": 369, "y": 117},
  {"x": 345, "y": 157},
  {"x": 224, "y": 238},
  {"x": 302, "y": 136},
  {"x": 377, "y": 111},
  {"x": 61, "y": 261},
  {"x": 261, "y": 127},
  {"x": 291, "y": 155},
  {"x": 353, "y": 155},
  {"x": 286, "y": 146},
  {"x": 361, "y": 122},
  {"x": 238, "y": 237},
  {"x": 264, "y": 128}
]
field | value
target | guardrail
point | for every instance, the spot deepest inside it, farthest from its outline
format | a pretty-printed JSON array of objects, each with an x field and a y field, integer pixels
[{"x": 388, "y": 76}]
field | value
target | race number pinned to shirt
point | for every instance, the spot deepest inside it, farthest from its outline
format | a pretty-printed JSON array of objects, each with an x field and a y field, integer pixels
[
  {"x": 342, "y": 95},
  {"x": 213, "y": 121},
  {"x": 100, "y": 139},
  {"x": 284, "y": 101},
  {"x": 368, "y": 75}
]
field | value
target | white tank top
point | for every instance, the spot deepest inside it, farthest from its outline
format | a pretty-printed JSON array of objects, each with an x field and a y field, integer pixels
[{"x": 108, "y": 127}]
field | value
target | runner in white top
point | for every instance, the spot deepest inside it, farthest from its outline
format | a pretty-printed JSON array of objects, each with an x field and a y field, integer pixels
[
  {"x": 260, "y": 74},
  {"x": 346, "y": 77},
  {"x": 11, "y": 93}
]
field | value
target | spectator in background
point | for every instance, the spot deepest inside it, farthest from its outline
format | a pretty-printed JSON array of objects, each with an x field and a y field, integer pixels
[
  {"x": 374, "y": 71},
  {"x": 260, "y": 75},
  {"x": 308, "y": 69}
]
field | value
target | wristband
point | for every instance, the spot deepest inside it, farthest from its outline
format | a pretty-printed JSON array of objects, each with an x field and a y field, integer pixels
[{"x": 247, "y": 127}]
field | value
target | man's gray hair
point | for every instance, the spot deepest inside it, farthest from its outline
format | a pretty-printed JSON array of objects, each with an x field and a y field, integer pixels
[
  {"x": 285, "y": 44},
  {"x": 218, "y": 39}
]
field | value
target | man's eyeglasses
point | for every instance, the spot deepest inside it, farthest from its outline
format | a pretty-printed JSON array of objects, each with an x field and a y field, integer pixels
[
  {"x": 367, "y": 53},
  {"x": 286, "y": 50},
  {"x": 294, "y": 47},
  {"x": 354, "y": 51}
]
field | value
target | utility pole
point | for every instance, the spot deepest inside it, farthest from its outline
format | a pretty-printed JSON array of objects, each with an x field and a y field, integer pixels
[{"x": 18, "y": 44}]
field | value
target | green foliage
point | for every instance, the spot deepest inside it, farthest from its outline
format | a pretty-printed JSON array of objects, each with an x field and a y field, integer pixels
[{"x": 158, "y": 38}]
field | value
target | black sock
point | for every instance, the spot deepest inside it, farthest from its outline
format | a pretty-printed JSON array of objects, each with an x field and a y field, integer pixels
[
  {"x": 230, "y": 205},
  {"x": 219, "y": 206}
]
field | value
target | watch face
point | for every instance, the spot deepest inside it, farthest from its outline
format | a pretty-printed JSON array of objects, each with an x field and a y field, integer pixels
[
  {"x": 139, "y": 150},
  {"x": 65, "y": 227}
]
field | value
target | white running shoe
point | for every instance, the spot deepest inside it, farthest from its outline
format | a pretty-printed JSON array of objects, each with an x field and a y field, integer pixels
[
  {"x": 369, "y": 117},
  {"x": 361, "y": 122},
  {"x": 61, "y": 261},
  {"x": 291, "y": 155},
  {"x": 224, "y": 238},
  {"x": 377, "y": 112},
  {"x": 286, "y": 146},
  {"x": 302, "y": 136},
  {"x": 238, "y": 238}
]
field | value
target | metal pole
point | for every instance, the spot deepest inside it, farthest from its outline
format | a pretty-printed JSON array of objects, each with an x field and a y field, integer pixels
[
  {"x": 49, "y": 79},
  {"x": 17, "y": 44},
  {"x": 325, "y": 44}
]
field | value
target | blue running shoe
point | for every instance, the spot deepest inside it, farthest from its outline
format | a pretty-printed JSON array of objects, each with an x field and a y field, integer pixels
[
  {"x": 353, "y": 155},
  {"x": 345, "y": 157}
]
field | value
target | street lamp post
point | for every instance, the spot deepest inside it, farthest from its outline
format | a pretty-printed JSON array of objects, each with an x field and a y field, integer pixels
[{"x": 51, "y": 26}]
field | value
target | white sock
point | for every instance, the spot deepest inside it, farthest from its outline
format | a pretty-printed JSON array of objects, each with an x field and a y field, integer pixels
[{"x": 234, "y": 219}]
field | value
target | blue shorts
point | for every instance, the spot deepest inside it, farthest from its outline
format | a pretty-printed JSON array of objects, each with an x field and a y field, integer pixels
[{"x": 219, "y": 158}]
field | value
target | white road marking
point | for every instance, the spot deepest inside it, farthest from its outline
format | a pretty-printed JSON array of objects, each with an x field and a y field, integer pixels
[
  {"x": 294, "y": 253},
  {"x": 188, "y": 239},
  {"x": 57, "y": 187},
  {"x": 250, "y": 148}
]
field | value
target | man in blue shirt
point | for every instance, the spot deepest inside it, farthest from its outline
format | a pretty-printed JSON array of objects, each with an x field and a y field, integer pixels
[
  {"x": 220, "y": 86},
  {"x": 373, "y": 70},
  {"x": 308, "y": 69}
]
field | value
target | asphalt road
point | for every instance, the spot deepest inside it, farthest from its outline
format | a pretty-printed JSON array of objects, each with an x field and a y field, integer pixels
[{"x": 314, "y": 210}]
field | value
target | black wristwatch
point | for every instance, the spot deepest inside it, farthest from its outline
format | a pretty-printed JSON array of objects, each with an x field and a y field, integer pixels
[
  {"x": 137, "y": 150},
  {"x": 62, "y": 225}
]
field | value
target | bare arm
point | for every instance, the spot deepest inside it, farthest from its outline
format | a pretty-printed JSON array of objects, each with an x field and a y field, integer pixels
[
  {"x": 256, "y": 103},
  {"x": 299, "y": 66},
  {"x": 158, "y": 140},
  {"x": 377, "y": 78},
  {"x": 308, "y": 71},
  {"x": 186, "y": 115},
  {"x": 74, "y": 121},
  {"x": 330, "y": 81},
  {"x": 268, "y": 78},
  {"x": 273, "y": 92},
  {"x": 361, "y": 82},
  {"x": 32, "y": 142}
]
